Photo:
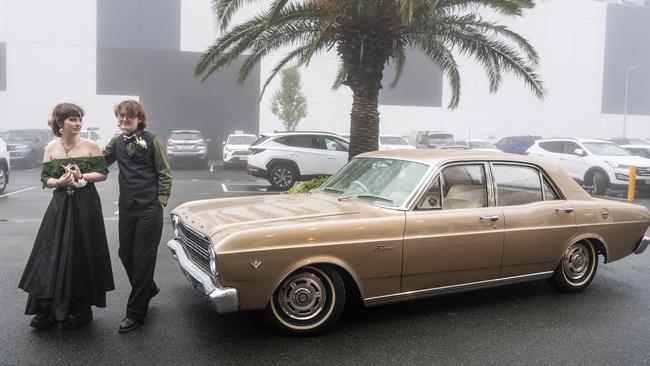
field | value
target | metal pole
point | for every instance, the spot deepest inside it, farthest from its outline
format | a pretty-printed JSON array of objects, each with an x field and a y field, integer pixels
[{"x": 627, "y": 83}]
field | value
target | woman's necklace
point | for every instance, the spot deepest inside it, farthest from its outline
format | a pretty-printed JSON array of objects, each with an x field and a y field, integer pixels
[{"x": 68, "y": 149}]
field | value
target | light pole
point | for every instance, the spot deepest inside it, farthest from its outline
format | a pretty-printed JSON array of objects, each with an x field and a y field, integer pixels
[{"x": 627, "y": 84}]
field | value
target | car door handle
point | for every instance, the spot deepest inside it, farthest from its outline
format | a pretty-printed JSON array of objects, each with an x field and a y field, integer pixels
[
  {"x": 491, "y": 218},
  {"x": 332, "y": 157},
  {"x": 293, "y": 155},
  {"x": 564, "y": 209},
  {"x": 381, "y": 248}
]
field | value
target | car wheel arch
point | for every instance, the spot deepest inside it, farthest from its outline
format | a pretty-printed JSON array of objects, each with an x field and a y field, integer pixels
[
  {"x": 277, "y": 161},
  {"x": 590, "y": 172},
  {"x": 597, "y": 241},
  {"x": 350, "y": 278}
]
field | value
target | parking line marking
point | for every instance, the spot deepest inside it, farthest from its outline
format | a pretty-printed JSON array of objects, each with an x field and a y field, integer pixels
[
  {"x": 22, "y": 190},
  {"x": 223, "y": 186}
]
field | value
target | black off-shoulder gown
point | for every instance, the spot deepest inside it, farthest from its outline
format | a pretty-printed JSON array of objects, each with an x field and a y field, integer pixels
[{"x": 69, "y": 268}]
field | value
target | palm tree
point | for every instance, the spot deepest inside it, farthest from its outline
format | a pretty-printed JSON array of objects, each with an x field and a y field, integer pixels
[{"x": 367, "y": 35}]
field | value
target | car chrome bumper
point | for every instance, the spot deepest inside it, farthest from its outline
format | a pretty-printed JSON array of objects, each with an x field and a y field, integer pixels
[
  {"x": 226, "y": 300},
  {"x": 643, "y": 244}
]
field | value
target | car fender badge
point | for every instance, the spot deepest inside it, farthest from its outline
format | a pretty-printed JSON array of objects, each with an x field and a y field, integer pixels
[
  {"x": 604, "y": 213},
  {"x": 256, "y": 264}
]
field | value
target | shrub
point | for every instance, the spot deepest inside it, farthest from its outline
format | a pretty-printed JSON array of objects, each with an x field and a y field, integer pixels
[{"x": 304, "y": 187}]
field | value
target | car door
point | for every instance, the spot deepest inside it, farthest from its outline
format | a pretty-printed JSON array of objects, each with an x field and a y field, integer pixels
[
  {"x": 574, "y": 164},
  {"x": 337, "y": 154},
  {"x": 308, "y": 153},
  {"x": 538, "y": 222},
  {"x": 454, "y": 235}
]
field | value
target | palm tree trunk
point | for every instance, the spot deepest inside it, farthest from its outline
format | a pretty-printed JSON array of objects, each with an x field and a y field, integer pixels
[{"x": 364, "y": 119}]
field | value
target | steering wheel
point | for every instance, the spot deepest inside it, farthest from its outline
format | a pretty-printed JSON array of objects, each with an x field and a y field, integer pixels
[{"x": 358, "y": 186}]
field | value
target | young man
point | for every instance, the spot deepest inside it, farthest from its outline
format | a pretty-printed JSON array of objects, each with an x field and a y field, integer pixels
[{"x": 145, "y": 185}]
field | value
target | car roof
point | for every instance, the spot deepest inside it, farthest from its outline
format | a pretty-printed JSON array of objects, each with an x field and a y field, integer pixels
[
  {"x": 438, "y": 157},
  {"x": 639, "y": 146},
  {"x": 578, "y": 139},
  {"x": 287, "y": 133},
  {"x": 242, "y": 134}
]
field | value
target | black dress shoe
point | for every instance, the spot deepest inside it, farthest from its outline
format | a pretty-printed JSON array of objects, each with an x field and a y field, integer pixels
[
  {"x": 74, "y": 321},
  {"x": 129, "y": 324},
  {"x": 154, "y": 292},
  {"x": 41, "y": 322}
]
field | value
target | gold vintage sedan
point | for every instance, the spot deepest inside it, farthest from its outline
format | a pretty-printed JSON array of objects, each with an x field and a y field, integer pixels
[{"x": 399, "y": 225}]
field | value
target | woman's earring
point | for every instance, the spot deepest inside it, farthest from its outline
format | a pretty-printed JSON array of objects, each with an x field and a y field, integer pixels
[{"x": 61, "y": 131}]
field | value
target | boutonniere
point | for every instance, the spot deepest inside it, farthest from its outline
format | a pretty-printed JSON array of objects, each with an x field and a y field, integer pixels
[{"x": 137, "y": 143}]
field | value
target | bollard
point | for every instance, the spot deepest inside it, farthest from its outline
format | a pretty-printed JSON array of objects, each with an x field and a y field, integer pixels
[{"x": 631, "y": 184}]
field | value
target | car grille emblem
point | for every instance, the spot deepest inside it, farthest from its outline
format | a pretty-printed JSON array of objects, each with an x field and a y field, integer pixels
[{"x": 256, "y": 264}]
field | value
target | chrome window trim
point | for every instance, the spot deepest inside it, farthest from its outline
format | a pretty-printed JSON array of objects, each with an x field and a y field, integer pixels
[
  {"x": 539, "y": 171},
  {"x": 444, "y": 290}
]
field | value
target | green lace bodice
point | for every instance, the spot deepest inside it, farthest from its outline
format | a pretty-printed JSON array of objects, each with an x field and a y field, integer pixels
[{"x": 54, "y": 169}]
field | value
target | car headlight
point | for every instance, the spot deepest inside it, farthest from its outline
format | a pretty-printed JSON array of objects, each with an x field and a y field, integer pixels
[
  {"x": 228, "y": 149},
  {"x": 175, "y": 221},
  {"x": 614, "y": 164},
  {"x": 214, "y": 267},
  {"x": 623, "y": 166}
]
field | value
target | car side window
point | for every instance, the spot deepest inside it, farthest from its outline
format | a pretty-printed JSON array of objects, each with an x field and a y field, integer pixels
[
  {"x": 570, "y": 147},
  {"x": 549, "y": 192},
  {"x": 517, "y": 185},
  {"x": 334, "y": 144},
  {"x": 284, "y": 140},
  {"x": 431, "y": 199},
  {"x": 464, "y": 186},
  {"x": 552, "y": 146}
]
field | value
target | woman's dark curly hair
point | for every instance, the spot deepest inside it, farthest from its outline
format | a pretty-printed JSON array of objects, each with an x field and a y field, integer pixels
[{"x": 62, "y": 112}]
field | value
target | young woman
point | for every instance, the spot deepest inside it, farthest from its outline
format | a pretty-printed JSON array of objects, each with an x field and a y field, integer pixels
[{"x": 69, "y": 268}]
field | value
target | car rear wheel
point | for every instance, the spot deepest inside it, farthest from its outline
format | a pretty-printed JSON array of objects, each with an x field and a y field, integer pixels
[
  {"x": 282, "y": 176},
  {"x": 577, "y": 268},
  {"x": 307, "y": 302},
  {"x": 599, "y": 183},
  {"x": 3, "y": 180}
]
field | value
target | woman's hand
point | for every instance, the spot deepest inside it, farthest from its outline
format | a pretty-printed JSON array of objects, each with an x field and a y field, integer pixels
[
  {"x": 66, "y": 180},
  {"x": 74, "y": 170}
]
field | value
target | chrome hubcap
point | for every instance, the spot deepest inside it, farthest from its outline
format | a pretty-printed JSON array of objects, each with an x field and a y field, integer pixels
[
  {"x": 576, "y": 262},
  {"x": 302, "y": 296},
  {"x": 282, "y": 177},
  {"x": 2, "y": 178}
]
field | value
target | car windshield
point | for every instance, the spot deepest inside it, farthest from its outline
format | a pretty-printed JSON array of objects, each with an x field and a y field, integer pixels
[
  {"x": 481, "y": 145},
  {"x": 22, "y": 135},
  {"x": 392, "y": 140},
  {"x": 378, "y": 181},
  {"x": 440, "y": 138},
  {"x": 181, "y": 135},
  {"x": 241, "y": 140},
  {"x": 605, "y": 149}
]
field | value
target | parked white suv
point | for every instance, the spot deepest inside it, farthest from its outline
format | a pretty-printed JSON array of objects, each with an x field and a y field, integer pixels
[
  {"x": 5, "y": 166},
  {"x": 597, "y": 164},
  {"x": 286, "y": 157},
  {"x": 235, "y": 149}
]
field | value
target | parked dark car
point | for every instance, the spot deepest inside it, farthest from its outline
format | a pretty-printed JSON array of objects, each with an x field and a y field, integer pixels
[
  {"x": 26, "y": 147},
  {"x": 517, "y": 144},
  {"x": 187, "y": 147}
]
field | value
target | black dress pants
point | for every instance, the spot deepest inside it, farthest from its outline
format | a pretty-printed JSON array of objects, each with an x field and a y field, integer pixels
[{"x": 140, "y": 231}]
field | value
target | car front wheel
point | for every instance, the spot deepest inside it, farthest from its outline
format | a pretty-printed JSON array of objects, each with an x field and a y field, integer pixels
[
  {"x": 282, "y": 176},
  {"x": 307, "y": 302},
  {"x": 3, "y": 180},
  {"x": 600, "y": 183},
  {"x": 577, "y": 268}
]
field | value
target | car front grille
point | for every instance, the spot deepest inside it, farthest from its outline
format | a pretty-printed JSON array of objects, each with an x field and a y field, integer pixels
[
  {"x": 196, "y": 245},
  {"x": 240, "y": 152},
  {"x": 643, "y": 172}
]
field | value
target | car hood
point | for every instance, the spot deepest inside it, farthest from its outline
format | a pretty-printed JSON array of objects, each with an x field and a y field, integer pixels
[
  {"x": 637, "y": 161},
  {"x": 395, "y": 147},
  {"x": 212, "y": 216},
  {"x": 237, "y": 147}
]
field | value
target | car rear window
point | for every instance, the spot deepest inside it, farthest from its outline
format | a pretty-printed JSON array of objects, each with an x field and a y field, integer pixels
[
  {"x": 392, "y": 140},
  {"x": 178, "y": 135}
]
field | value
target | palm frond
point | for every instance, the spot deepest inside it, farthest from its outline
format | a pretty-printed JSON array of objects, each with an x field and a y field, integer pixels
[
  {"x": 505, "y": 7},
  {"x": 341, "y": 76},
  {"x": 399, "y": 57}
]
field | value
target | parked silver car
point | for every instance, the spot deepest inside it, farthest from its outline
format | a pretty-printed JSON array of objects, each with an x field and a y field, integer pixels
[{"x": 187, "y": 147}]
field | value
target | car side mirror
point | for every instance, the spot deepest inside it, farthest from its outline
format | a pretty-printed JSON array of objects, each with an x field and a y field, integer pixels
[
  {"x": 579, "y": 152},
  {"x": 223, "y": 143}
]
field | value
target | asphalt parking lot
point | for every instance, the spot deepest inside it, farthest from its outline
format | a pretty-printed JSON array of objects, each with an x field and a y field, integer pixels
[{"x": 608, "y": 324}]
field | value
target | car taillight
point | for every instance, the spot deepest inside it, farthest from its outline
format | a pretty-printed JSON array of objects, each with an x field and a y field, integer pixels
[
  {"x": 253, "y": 151},
  {"x": 201, "y": 142}
]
